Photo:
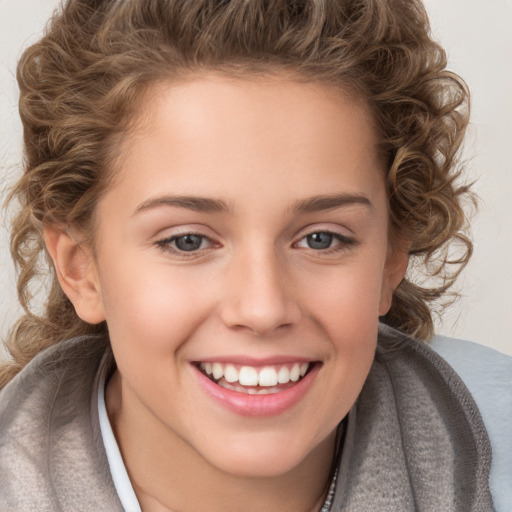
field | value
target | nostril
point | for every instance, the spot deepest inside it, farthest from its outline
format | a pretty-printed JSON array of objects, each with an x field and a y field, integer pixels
[
  {"x": 262, "y": 318},
  {"x": 258, "y": 296}
]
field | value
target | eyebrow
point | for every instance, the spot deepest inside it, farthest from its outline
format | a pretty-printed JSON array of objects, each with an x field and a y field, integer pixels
[
  {"x": 197, "y": 204},
  {"x": 209, "y": 205},
  {"x": 329, "y": 202}
]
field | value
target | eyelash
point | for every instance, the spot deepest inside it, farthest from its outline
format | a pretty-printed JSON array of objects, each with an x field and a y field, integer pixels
[
  {"x": 165, "y": 244},
  {"x": 344, "y": 242}
]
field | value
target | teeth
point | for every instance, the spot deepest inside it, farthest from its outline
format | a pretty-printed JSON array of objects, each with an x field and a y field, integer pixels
[
  {"x": 231, "y": 373},
  {"x": 217, "y": 370},
  {"x": 283, "y": 376},
  {"x": 248, "y": 376},
  {"x": 249, "y": 390},
  {"x": 295, "y": 373},
  {"x": 268, "y": 376}
]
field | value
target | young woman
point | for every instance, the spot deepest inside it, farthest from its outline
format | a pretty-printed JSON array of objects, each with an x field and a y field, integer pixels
[{"x": 228, "y": 196}]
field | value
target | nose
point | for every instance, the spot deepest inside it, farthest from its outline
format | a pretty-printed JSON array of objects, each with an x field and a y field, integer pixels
[{"x": 259, "y": 295}]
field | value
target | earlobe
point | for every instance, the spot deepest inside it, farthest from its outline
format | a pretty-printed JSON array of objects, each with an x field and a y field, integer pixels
[
  {"x": 394, "y": 272},
  {"x": 77, "y": 273}
]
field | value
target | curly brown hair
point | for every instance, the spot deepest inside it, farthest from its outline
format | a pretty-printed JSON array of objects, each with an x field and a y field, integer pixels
[{"x": 82, "y": 82}]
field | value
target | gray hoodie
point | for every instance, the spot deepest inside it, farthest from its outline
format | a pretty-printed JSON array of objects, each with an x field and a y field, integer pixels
[{"x": 414, "y": 440}]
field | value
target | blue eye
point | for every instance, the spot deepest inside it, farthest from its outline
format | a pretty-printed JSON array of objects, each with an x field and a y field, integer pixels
[
  {"x": 324, "y": 241},
  {"x": 319, "y": 240},
  {"x": 189, "y": 242}
]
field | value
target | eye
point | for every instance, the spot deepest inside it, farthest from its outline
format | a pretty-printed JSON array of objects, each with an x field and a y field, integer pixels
[
  {"x": 320, "y": 240},
  {"x": 324, "y": 240},
  {"x": 188, "y": 242}
]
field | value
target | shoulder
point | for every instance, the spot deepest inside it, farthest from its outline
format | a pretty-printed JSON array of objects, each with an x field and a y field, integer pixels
[
  {"x": 487, "y": 374},
  {"x": 57, "y": 370},
  {"x": 50, "y": 373},
  {"x": 48, "y": 444},
  {"x": 416, "y": 418},
  {"x": 469, "y": 358}
]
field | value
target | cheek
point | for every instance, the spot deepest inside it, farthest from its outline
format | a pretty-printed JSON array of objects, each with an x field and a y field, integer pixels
[
  {"x": 347, "y": 296},
  {"x": 346, "y": 306},
  {"x": 151, "y": 308},
  {"x": 150, "y": 317},
  {"x": 348, "y": 316},
  {"x": 351, "y": 321}
]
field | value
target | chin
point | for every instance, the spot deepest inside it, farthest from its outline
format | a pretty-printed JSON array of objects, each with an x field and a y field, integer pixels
[
  {"x": 258, "y": 466},
  {"x": 266, "y": 458}
]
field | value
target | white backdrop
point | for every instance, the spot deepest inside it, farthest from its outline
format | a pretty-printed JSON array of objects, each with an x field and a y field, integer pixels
[{"x": 478, "y": 38}]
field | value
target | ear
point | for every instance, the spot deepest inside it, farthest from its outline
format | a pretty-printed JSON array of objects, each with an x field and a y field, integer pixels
[
  {"x": 77, "y": 273},
  {"x": 394, "y": 271}
]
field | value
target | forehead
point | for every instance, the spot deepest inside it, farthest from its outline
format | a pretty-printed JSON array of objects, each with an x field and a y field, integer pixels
[
  {"x": 208, "y": 134},
  {"x": 280, "y": 102}
]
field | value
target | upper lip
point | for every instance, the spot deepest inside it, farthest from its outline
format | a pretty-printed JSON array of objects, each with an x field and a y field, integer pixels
[{"x": 256, "y": 362}]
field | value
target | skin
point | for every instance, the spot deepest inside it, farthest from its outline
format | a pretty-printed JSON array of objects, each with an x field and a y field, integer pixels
[{"x": 255, "y": 288}]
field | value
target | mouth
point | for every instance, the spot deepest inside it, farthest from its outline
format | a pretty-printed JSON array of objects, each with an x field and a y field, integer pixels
[{"x": 253, "y": 380}]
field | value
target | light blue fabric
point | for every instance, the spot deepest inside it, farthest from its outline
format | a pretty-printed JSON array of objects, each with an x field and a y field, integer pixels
[{"x": 487, "y": 374}]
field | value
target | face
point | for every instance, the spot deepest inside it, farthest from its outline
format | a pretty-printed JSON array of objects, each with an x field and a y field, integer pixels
[{"x": 242, "y": 262}]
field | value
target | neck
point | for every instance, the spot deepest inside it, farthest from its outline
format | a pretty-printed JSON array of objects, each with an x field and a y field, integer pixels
[{"x": 168, "y": 474}]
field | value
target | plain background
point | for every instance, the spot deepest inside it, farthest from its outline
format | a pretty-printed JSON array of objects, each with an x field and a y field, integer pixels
[{"x": 478, "y": 38}]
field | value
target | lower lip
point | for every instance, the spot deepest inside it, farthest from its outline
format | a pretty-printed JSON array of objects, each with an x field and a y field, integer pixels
[{"x": 258, "y": 405}]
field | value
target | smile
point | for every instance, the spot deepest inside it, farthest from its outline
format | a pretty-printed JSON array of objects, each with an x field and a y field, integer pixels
[
  {"x": 252, "y": 380},
  {"x": 257, "y": 390}
]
